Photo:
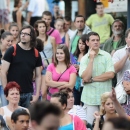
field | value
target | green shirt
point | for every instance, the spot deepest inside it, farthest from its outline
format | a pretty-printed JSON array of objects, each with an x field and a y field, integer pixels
[
  {"x": 74, "y": 44},
  {"x": 101, "y": 25},
  {"x": 115, "y": 43},
  {"x": 92, "y": 92}
]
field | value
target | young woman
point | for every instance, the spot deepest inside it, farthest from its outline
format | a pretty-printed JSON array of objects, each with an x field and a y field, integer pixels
[
  {"x": 17, "y": 13},
  {"x": 67, "y": 122},
  {"x": 81, "y": 50},
  {"x": 14, "y": 30},
  {"x": 61, "y": 74},
  {"x": 59, "y": 25},
  {"x": 48, "y": 51}
]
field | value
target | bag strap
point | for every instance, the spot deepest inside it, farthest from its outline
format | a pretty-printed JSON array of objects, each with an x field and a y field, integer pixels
[
  {"x": 45, "y": 57},
  {"x": 36, "y": 52},
  {"x": 61, "y": 74},
  {"x": 51, "y": 31},
  {"x": 14, "y": 53}
]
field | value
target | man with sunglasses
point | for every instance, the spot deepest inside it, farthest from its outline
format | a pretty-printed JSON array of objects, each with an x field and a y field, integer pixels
[{"x": 19, "y": 62}]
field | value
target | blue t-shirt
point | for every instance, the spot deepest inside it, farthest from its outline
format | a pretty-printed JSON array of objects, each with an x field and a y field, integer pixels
[{"x": 67, "y": 127}]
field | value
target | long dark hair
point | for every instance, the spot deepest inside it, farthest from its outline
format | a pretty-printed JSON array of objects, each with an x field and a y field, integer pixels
[
  {"x": 32, "y": 35},
  {"x": 36, "y": 27},
  {"x": 77, "y": 51},
  {"x": 16, "y": 2},
  {"x": 67, "y": 55}
]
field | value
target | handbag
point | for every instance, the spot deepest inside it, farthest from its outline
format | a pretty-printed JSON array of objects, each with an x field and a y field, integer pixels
[
  {"x": 121, "y": 94},
  {"x": 53, "y": 90}
]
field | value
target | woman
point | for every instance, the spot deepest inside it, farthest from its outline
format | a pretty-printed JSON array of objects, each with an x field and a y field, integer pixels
[
  {"x": 81, "y": 50},
  {"x": 59, "y": 25},
  {"x": 48, "y": 51},
  {"x": 6, "y": 39},
  {"x": 17, "y": 13},
  {"x": 67, "y": 122},
  {"x": 12, "y": 93},
  {"x": 14, "y": 30},
  {"x": 61, "y": 74}
]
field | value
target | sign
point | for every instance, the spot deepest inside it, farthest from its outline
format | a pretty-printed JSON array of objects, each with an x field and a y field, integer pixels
[
  {"x": 105, "y": 3},
  {"x": 116, "y": 6}
]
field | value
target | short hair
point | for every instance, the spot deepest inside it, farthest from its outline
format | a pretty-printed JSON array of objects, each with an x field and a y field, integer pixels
[
  {"x": 9, "y": 86},
  {"x": 90, "y": 34},
  {"x": 40, "y": 110},
  {"x": 47, "y": 13},
  {"x": 62, "y": 97},
  {"x": 118, "y": 20},
  {"x": 99, "y": 3},
  {"x": 59, "y": 19},
  {"x": 32, "y": 35},
  {"x": 127, "y": 33},
  {"x": 39, "y": 45},
  {"x": 13, "y": 24},
  {"x": 81, "y": 16},
  {"x": 16, "y": 2},
  {"x": 67, "y": 55},
  {"x": 118, "y": 124},
  {"x": 18, "y": 112},
  {"x": 67, "y": 18},
  {"x": 4, "y": 34}
]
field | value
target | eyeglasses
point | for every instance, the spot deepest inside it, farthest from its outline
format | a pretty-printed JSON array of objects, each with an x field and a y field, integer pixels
[{"x": 25, "y": 34}]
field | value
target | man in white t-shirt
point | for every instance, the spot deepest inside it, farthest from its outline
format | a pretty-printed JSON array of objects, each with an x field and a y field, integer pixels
[{"x": 35, "y": 10}]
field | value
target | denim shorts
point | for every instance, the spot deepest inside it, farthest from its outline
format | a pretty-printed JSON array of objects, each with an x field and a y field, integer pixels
[{"x": 44, "y": 71}]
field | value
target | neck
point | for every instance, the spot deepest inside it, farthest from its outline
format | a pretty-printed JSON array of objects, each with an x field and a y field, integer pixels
[
  {"x": 48, "y": 28},
  {"x": 100, "y": 15},
  {"x": 81, "y": 52},
  {"x": 42, "y": 35},
  {"x": 109, "y": 115},
  {"x": 61, "y": 63},
  {"x": 12, "y": 107},
  {"x": 25, "y": 46},
  {"x": 62, "y": 114},
  {"x": 117, "y": 37},
  {"x": 80, "y": 32}
]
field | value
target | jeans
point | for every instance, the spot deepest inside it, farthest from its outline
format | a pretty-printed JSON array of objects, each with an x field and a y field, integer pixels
[
  {"x": 25, "y": 99},
  {"x": 4, "y": 102}
]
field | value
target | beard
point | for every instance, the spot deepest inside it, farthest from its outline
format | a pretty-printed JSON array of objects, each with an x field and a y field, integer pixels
[{"x": 117, "y": 32}]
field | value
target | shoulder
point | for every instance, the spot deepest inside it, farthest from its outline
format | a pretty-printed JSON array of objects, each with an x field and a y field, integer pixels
[
  {"x": 104, "y": 53},
  {"x": 51, "y": 66},
  {"x": 119, "y": 51},
  {"x": 72, "y": 68},
  {"x": 51, "y": 38},
  {"x": 93, "y": 16},
  {"x": 2, "y": 110}
]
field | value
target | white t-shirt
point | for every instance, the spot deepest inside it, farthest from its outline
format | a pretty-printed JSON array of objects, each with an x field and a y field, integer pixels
[
  {"x": 71, "y": 33},
  {"x": 37, "y": 7}
]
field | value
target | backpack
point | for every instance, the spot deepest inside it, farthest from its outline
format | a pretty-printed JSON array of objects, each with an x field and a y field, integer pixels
[{"x": 35, "y": 51}]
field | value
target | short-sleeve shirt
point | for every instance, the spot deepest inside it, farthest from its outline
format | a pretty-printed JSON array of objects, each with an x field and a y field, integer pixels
[
  {"x": 101, "y": 25},
  {"x": 92, "y": 92},
  {"x": 118, "y": 55},
  {"x": 56, "y": 35},
  {"x": 22, "y": 66}
]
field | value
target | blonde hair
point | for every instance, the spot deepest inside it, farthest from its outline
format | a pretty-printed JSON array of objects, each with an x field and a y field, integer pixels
[
  {"x": 104, "y": 98},
  {"x": 59, "y": 19}
]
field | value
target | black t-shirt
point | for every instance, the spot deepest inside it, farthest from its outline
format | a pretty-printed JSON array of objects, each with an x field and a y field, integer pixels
[{"x": 22, "y": 66}]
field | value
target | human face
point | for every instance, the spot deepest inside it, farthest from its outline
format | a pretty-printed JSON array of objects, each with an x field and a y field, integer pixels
[
  {"x": 25, "y": 35},
  {"x": 22, "y": 123},
  {"x": 13, "y": 96},
  {"x": 100, "y": 9},
  {"x": 108, "y": 126},
  {"x": 41, "y": 28},
  {"x": 117, "y": 28},
  {"x": 46, "y": 125},
  {"x": 126, "y": 85},
  {"x": 20, "y": 3},
  {"x": 70, "y": 100},
  {"x": 47, "y": 19},
  {"x": 128, "y": 40},
  {"x": 109, "y": 106},
  {"x": 81, "y": 46},
  {"x": 7, "y": 42},
  {"x": 56, "y": 8},
  {"x": 60, "y": 55},
  {"x": 94, "y": 42},
  {"x": 14, "y": 31},
  {"x": 59, "y": 25},
  {"x": 67, "y": 25},
  {"x": 79, "y": 23}
]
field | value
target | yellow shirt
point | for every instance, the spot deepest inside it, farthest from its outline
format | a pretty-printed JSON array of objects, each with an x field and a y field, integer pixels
[{"x": 101, "y": 25}]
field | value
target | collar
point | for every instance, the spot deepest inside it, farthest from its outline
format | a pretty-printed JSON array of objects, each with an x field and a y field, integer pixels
[{"x": 100, "y": 52}]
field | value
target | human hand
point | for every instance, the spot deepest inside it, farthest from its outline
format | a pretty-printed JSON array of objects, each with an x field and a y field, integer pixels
[
  {"x": 34, "y": 98},
  {"x": 92, "y": 53},
  {"x": 96, "y": 115},
  {"x": 64, "y": 86},
  {"x": 76, "y": 66},
  {"x": 113, "y": 95}
]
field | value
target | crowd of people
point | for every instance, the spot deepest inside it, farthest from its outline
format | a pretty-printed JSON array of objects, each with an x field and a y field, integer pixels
[{"x": 55, "y": 78}]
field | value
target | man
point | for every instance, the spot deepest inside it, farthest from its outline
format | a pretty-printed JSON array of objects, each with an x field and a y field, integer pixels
[
  {"x": 44, "y": 116},
  {"x": 100, "y": 22},
  {"x": 47, "y": 17},
  {"x": 35, "y": 9},
  {"x": 96, "y": 70},
  {"x": 20, "y": 119},
  {"x": 117, "y": 40},
  {"x": 18, "y": 65},
  {"x": 67, "y": 26},
  {"x": 121, "y": 58},
  {"x": 81, "y": 29}
]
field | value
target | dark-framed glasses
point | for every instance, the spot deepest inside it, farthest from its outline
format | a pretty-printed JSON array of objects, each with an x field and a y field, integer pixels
[{"x": 25, "y": 34}]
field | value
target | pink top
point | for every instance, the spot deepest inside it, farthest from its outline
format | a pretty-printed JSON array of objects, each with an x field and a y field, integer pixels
[
  {"x": 55, "y": 75},
  {"x": 56, "y": 35}
]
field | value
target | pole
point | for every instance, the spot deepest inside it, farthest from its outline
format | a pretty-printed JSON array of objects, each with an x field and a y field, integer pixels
[{"x": 128, "y": 14}]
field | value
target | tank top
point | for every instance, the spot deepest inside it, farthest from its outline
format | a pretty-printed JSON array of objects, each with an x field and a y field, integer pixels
[
  {"x": 67, "y": 127},
  {"x": 48, "y": 50}
]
